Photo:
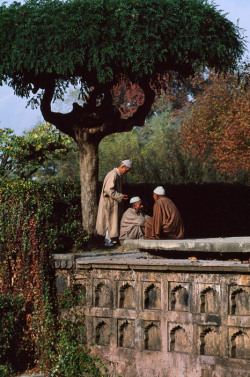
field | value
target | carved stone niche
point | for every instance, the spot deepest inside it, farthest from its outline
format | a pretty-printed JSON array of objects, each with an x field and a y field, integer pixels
[
  {"x": 239, "y": 343},
  {"x": 209, "y": 300},
  {"x": 179, "y": 340},
  {"x": 152, "y": 336},
  {"x": 179, "y": 297},
  {"x": 80, "y": 291},
  {"x": 209, "y": 341},
  {"x": 61, "y": 283},
  {"x": 126, "y": 333},
  {"x": 102, "y": 331},
  {"x": 127, "y": 296},
  {"x": 239, "y": 303},
  {"x": 152, "y": 296},
  {"x": 102, "y": 295}
]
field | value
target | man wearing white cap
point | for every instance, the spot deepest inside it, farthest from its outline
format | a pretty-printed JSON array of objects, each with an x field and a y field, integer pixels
[
  {"x": 110, "y": 204},
  {"x": 133, "y": 220},
  {"x": 166, "y": 221}
]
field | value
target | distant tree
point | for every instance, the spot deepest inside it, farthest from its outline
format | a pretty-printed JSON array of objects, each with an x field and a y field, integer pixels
[
  {"x": 22, "y": 156},
  {"x": 157, "y": 152},
  {"x": 217, "y": 129},
  {"x": 66, "y": 168},
  {"x": 45, "y": 45}
]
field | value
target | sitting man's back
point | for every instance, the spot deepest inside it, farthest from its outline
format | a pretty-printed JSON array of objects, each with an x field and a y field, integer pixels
[{"x": 166, "y": 221}]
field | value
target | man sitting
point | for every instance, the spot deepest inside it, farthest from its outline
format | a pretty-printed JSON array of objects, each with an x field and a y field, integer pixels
[
  {"x": 133, "y": 220},
  {"x": 166, "y": 221}
]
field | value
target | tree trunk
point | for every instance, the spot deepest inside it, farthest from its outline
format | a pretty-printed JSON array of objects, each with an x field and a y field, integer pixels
[{"x": 88, "y": 163}]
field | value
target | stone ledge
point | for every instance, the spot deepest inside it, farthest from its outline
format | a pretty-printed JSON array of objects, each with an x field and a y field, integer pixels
[
  {"x": 140, "y": 262},
  {"x": 68, "y": 261},
  {"x": 212, "y": 245}
]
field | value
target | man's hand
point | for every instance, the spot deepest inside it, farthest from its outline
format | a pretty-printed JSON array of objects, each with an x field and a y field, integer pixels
[{"x": 125, "y": 197}]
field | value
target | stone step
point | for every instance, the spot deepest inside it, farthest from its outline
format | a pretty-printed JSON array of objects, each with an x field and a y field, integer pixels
[{"x": 213, "y": 245}]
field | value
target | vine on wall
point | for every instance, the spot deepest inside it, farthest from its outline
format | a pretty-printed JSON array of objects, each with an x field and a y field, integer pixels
[{"x": 27, "y": 290}]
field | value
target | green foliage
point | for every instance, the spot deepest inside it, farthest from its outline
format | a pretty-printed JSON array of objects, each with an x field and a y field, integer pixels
[
  {"x": 156, "y": 152},
  {"x": 22, "y": 156},
  {"x": 5, "y": 371},
  {"x": 31, "y": 326},
  {"x": 70, "y": 357},
  {"x": 100, "y": 39},
  {"x": 55, "y": 207},
  {"x": 11, "y": 332},
  {"x": 55, "y": 169}
]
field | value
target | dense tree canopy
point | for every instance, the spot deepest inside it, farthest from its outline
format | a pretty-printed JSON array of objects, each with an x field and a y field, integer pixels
[
  {"x": 45, "y": 45},
  {"x": 51, "y": 43}
]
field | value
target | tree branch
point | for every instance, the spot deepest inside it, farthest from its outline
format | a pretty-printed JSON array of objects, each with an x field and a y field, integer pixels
[{"x": 96, "y": 120}]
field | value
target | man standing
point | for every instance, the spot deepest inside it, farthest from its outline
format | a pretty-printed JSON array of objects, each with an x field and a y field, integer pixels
[
  {"x": 133, "y": 220},
  {"x": 110, "y": 204},
  {"x": 166, "y": 221}
]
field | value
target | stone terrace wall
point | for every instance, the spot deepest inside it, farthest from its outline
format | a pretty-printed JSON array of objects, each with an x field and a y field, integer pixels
[{"x": 166, "y": 318}]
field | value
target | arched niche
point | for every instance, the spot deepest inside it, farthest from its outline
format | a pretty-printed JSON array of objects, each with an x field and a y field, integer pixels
[
  {"x": 102, "y": 296},
  {"x": 152, "y": 339},
  {"x": 240, "y": 345},
  {"x": 239, "y": 303},
  {"x": 152, "y": 297},
  {"x": 209, "y": 342},
  {"x": 102, "y": 332},
  {"x": 179, "y": 340},
  {"x": 209, "y": 301},
  {"x": 127, "y": 297},
  {"x": 126, "y": 335},
  {"x": 179, "y": 299}
]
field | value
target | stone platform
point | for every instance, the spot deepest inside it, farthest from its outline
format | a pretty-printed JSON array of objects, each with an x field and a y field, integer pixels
[{"x": 212, "y": 245}]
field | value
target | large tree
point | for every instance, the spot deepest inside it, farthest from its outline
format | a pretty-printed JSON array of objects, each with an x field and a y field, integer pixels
[{"x": 46, "y": 45}]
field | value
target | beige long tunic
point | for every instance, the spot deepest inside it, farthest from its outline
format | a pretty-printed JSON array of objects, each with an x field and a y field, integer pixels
[
  {"x": 110, "y": 205},
  {"x": 132, "y": 225},
  {"x": 166, "y": 221}
]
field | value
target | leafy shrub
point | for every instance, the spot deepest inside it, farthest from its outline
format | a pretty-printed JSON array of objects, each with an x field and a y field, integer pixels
[
  {"x": 71, "y": 358},
  {"x": 31, "y": 219},
  {"x": 55, "y": 206},
  {"x": 11, "y": 331},
  {"x": 5, "y": 371}
]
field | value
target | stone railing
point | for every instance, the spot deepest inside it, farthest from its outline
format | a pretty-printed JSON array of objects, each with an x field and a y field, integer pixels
[{"x": 149, "y": 316}]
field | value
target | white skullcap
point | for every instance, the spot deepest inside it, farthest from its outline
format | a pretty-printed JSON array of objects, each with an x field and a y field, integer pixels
[
  {"x": 127, "y": 163},
  {"x": 159, "y": 190},
  {"x": 134, "y": 199}
]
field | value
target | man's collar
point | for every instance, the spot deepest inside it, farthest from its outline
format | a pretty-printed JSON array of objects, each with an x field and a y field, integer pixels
[{"x": 117, "y": 170}]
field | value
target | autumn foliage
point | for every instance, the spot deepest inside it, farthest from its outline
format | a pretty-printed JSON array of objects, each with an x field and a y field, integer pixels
[{"x": 217, "y": 130}]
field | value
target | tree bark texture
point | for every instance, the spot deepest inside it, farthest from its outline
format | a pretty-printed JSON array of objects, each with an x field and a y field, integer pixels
[{"x": 88, "y": 163}]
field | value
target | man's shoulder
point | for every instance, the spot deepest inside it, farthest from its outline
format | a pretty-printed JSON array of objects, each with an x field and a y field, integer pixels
[
  {"x": 111, "y": 174},
  {"x": 130, "y": 211},
  {"x": 162, "y": 201}
]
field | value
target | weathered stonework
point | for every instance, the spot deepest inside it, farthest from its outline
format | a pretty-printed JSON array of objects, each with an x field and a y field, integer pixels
[{"x": 164, "y": 317}]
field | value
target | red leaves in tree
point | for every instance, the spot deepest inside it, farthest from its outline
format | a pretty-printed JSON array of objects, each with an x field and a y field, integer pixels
[{"x": 218, "y": 128}]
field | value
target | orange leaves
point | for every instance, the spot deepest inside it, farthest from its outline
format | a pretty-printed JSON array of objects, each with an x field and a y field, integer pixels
[
  {"x": 127, "y": 97},
  {"x": 218, "y": 128}
]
